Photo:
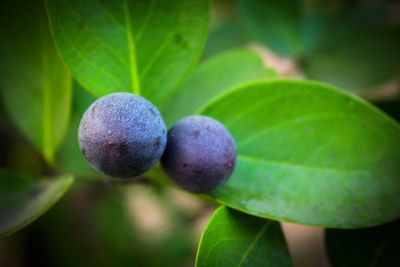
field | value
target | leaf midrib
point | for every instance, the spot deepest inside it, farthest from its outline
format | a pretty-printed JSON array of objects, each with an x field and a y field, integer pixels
[
  {"x": 131, "y": 50},
  {"x": 254, "y": 242},
  {"x": 46, "y": 97}
]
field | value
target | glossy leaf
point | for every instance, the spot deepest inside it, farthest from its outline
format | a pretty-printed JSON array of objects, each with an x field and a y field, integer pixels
[
  {"x": 311, "y": 154},
  {"x": 22, "y": 200},
  {"x": 232, "y": 238},
  {"x": 213, "y": 77},
  {"x": 34, "y": 84},
  {"x": 145, "y": 47},
  {"x": 377, "y": 246}
]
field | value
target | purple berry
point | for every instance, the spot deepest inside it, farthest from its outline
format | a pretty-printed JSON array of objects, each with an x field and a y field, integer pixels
[
  {"x": 122, "y": 135},
  {"x": 200, "y": 154}
]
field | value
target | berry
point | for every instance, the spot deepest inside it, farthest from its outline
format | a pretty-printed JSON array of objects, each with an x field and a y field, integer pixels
[
  {"x": 122, "y": 135},
  {"x": 200, "y": 154}
]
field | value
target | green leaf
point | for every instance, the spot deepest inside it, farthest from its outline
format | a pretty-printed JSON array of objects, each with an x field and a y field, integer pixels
[
  {"x": 232, "y": 238},
  {"x": 228, "y": 35},
  {"x": 362, "y": 59},
  {"x": 22, "y": 200},
  {"x": 34, "y": 84},
  {"x": 350, "y": 45},
  {"x": 374, "y": 247},
  {"x": 145, "y": 47},
  {"x": 360, "y": 51},
  {"x": 274, "y": 23},
  {"x": 311, "y": 154},
  {"x": 213, "y": 77}
]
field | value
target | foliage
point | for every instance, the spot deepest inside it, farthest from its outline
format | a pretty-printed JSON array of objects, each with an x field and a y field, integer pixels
[
  {"x": 351, "y": 45},
  {"x": 236, "y": 239},
  {"x": 308, "y": 152},
  {"x": 140, "y": 47},
  {"x": 315, "y": 161},
  {"x": 23, "y": 199},
  {"x": 35, "y": 85}
]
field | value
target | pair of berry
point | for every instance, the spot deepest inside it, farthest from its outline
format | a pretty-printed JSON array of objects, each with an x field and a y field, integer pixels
[{"x": 123, "y": 135}]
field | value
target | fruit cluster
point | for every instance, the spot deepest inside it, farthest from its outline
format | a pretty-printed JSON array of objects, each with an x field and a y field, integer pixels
[{"x": 123, "y": 135}]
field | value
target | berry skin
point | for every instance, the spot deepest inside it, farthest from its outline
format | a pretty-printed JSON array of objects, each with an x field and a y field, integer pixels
[
  {"x": 200, "y": 154},
  {"x": 122, "y": 135}
]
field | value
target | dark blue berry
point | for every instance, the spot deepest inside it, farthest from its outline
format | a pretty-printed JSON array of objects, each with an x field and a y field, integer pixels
[
  {"x": 122, "y": 135},
  {"x": 200, "y": 154}
]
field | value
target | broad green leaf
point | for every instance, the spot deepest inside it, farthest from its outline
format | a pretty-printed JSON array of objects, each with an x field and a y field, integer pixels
[
  {"x": 375, "y": 247},
  {"x": 232, "y": 238},
  {"x": 22, "y": 200},
  {"x": 213, "y": 77},
  {"x": 311, "y": 154},
  {"x": 145, "y": 47},
  {"x": 34, "y": 84}
]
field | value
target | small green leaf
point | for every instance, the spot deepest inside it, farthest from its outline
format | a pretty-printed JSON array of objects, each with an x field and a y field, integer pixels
[
  {"x": 145, "y": 47},
  {"x": 22, "y": 200},
  {"x": 311, "y": 154},
  {"x": 232, "y": 238},
  {"x": 373, "y": 247},
  {"x": 34, "y": 84},
  {"x": 213, "y": 77}
]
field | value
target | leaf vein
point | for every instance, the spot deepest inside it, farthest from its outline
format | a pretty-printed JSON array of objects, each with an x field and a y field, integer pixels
[
  {"x": 97, "y": 37},
  {"x": 296, "y": 165},
  {"x": 254, "y": 107},
  {"x": 162, "y": 46},
  {"x": 131, "y": 50},
  {"x": 254, "y": 242},
  {"x": 217, "y": 243},
  {"x": 47, "y": 121},
  {"x": 146, "y": 20},
  {"x": 111, "y": 15},
  {"x": 94, "y": 66},
  {"x": 295, "y": 120}
]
